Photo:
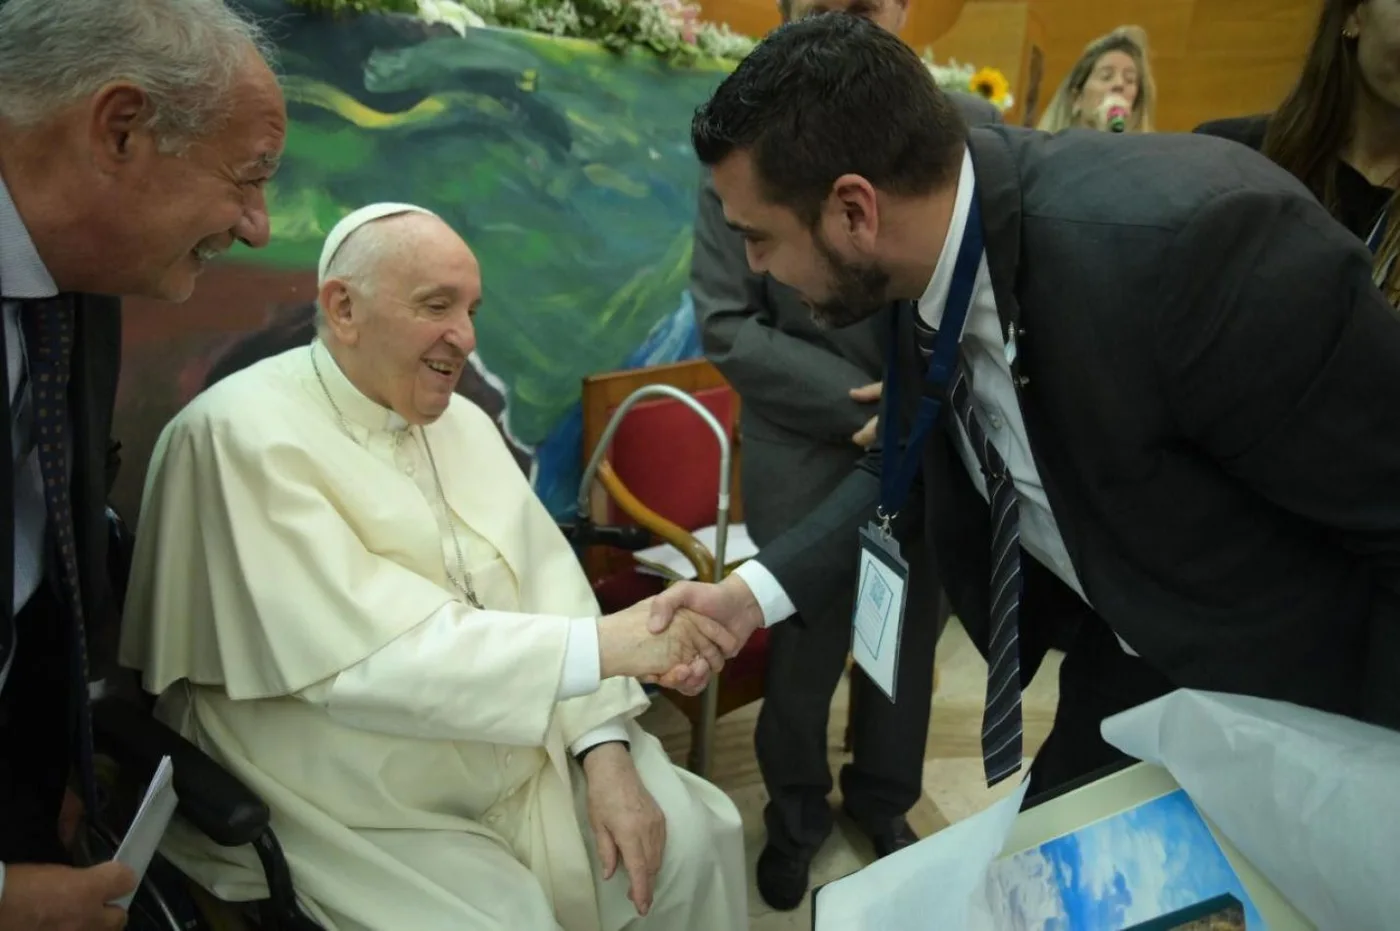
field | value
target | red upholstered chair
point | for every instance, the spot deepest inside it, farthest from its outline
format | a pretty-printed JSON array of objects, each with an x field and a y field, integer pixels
[{"x": 662, "y": 473}]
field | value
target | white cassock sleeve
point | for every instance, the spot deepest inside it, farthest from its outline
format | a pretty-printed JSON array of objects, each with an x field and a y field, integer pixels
[{"x": 419, "y": 684}]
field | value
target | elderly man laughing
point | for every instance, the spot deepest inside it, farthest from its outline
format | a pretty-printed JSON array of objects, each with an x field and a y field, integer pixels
[{"x": 345, "y": 590}]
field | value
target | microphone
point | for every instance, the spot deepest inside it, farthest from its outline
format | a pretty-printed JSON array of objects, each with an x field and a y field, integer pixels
[{"x": 1114, "y": 113}]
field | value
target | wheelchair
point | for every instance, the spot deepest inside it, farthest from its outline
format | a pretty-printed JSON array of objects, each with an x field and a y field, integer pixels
[{"x": 211, "y": 799}]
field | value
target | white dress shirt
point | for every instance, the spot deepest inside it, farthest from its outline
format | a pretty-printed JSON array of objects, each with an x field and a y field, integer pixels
[
  {"x": 420, "y": 660},
  {"x": 994, "y": 400}
]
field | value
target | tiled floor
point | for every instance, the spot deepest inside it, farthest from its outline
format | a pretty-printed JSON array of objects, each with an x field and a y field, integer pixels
[{"x": 953, "y": 782}]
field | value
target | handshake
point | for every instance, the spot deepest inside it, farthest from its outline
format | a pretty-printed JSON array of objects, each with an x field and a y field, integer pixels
[{"x": 681, "y": 637}]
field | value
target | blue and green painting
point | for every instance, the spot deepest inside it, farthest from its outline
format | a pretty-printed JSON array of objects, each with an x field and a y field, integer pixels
[{"x": 565, "y": 166}]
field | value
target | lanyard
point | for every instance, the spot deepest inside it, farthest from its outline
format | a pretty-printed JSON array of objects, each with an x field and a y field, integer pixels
[{"x": 899, "y": 467}]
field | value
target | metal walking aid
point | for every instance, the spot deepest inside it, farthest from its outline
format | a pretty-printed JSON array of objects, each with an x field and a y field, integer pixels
[{"x": 703, "y": 755}]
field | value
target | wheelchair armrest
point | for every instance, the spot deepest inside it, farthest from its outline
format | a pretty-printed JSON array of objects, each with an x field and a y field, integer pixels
[
  {"x": 210, "y": 797},
  {"x": 693, "y": 550},
  {"x": 584, "y": 533}
]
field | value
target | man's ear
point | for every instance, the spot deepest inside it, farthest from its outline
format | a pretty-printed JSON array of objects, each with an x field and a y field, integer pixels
[
  {"x": 117, "y": 125},
  {"x": 855, "y": 201},
  {"x": 338, "y": 310}
]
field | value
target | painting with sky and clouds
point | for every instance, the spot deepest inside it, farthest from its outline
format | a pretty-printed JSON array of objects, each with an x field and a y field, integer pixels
[{"x": 1149, "y": 861}]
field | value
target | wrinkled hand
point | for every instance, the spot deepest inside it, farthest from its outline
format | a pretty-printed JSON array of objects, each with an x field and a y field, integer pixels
[
  {"x": 628, "y": 647},
  {"x": 626, "y": 821},
  {"x": 867, "y": 394},
  {"x": 730, "y": 603},
  {"x": 43, "y": 897}
]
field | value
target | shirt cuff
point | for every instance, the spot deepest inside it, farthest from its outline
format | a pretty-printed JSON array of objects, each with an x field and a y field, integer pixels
[
  {"x": 2, "y": 881},
  {"x": 767, "y": 591},
  {"x": 614, "y": 730},
  {"x": 583, "y": 672}
]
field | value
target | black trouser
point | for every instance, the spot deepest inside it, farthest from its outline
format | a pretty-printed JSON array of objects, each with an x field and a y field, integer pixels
[
  {"x": 1097, "y": 680},
  {"x": 885, "y": 776},
  {"x": 36, "y": 730}
]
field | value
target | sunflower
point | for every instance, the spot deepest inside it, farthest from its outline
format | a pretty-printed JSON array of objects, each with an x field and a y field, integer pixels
[{"x": 991, "y": 84}]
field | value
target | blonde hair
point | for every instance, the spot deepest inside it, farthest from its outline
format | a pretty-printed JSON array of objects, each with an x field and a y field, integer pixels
[{"x": 1132, "y": 40}]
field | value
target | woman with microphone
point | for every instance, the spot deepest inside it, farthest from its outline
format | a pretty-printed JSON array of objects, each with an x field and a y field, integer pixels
[{"x": 1109, "y": 88}]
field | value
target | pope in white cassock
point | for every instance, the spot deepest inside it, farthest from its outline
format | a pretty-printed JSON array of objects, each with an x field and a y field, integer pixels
[{"x": 346, "y": 592}]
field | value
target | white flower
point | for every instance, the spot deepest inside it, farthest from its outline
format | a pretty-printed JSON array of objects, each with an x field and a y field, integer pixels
[{"x": 450, "y": 12}]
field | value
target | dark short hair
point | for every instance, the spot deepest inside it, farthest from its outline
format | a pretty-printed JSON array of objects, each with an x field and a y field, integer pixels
[{"x": 829, "y": 95}]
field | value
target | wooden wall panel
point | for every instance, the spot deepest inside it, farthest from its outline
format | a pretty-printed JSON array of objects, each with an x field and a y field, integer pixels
[{"x": 991, "y": 34}]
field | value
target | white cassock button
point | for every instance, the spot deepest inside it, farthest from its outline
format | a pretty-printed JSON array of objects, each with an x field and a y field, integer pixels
[
  {"x": 493, "y": 818},
  {"x": 996, "y": 421},
  {"x": 410, "y": 468},
  {"x": 509, "y": 756}
]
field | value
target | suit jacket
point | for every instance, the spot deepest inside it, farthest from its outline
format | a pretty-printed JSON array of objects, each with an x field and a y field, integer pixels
[
  {"x": 793, "y": 376},
  {"x": 1207, "y": 373},
  {"x": 92, "y": 397}
]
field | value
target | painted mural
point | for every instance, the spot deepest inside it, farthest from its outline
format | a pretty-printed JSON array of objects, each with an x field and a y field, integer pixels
[{"x": 565, "y": 166}]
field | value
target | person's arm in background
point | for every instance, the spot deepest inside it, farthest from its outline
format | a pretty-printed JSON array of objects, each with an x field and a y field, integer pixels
[{"x": 797, "y": 385}]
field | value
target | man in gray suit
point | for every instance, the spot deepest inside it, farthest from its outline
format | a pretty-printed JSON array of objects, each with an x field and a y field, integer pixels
[
  {"x": 1138, "y": 375},
  {"x": 810, "y": 396}
]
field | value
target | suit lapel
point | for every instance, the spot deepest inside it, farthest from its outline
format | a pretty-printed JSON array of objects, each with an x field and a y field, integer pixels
[
  {"x": 999, "y": 189},
  {"x": 999, "y": 186}
]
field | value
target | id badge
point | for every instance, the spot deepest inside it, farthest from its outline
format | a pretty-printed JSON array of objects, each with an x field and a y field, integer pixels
[{"x": 882, "y": 581}]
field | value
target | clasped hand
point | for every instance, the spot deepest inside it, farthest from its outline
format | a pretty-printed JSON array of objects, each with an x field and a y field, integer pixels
[
  {"x": 729, "y": 606},
  {"x": 681, "y": 637}
]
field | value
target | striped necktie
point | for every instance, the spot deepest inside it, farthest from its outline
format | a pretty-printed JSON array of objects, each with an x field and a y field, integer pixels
[
  {"x": 48, "y": 327},
  {"x": 1001, "y": 718}
]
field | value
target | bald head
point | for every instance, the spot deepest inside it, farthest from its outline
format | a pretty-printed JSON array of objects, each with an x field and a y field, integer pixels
[{"x": 397, "y": 304}]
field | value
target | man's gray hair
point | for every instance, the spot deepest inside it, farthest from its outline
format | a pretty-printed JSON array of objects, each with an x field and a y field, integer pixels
[{"x": 185, "y": 54}]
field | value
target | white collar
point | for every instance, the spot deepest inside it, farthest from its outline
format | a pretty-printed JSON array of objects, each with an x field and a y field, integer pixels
[
  {"x": 351, "y": 401},
  {"x": 935, "y": 296},
  {"x": 22, "y": 271}
]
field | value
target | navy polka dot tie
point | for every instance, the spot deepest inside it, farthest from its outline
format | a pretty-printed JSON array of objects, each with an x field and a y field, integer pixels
[{"x": 48, "y": 328}]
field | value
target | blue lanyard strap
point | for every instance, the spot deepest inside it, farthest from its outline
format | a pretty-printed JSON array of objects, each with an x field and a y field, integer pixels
[{"x": 899, "y": 466}]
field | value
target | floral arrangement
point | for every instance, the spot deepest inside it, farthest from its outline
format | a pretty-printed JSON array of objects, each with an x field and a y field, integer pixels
[
  {"x": 984, "y": 82},
  {"x": 671, "y": 29}
]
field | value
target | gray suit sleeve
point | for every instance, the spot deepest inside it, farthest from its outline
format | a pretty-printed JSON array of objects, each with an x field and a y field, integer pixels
[{"x": 795, "y": 384}]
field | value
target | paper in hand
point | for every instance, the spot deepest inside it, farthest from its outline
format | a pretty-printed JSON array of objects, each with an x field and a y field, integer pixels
[{"x": 148, "y": 827}]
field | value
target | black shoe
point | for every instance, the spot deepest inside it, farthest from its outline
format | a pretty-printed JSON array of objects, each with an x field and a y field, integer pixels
[
  {"x": 783, "y": 877},
  {"x": 887, "y": 836}
]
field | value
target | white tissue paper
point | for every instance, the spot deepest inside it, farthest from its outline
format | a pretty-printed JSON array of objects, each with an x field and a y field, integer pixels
[
  {"x": 926, "y": 885},
  {"x": 1310, "y": 799}
]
